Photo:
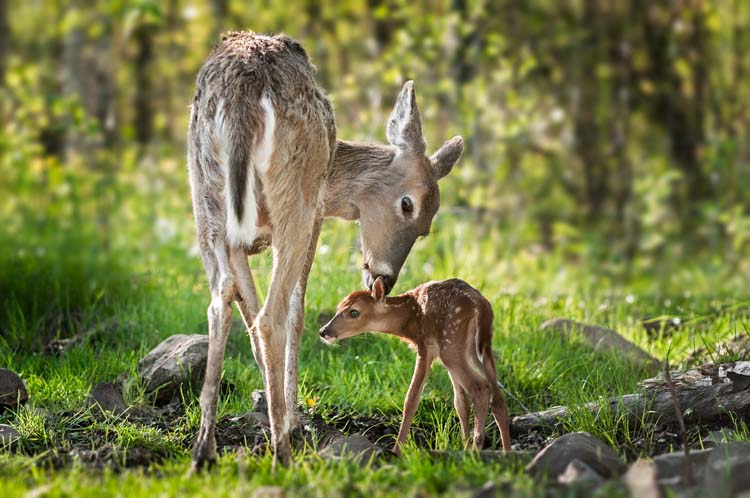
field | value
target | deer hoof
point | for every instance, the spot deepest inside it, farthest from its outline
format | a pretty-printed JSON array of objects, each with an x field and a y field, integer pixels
[
  {"x": 204, "y": 454},
  {"x": 283, "y": 453}
]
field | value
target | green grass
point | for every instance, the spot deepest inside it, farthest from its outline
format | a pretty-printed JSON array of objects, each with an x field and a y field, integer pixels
[{"x": 131, "y": 298}]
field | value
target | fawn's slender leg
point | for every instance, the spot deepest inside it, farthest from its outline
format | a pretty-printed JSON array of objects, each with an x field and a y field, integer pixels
[
  {"x": 247, "y": 302},
  {"x": 296, "y": 326},
  {"x": 219, "y": 318},
  {"x": 412, "y": 398},
  {"x": 461, "y": 403},
  {"x": 479, "y": 392},
  {"x": 497, "y": 401}
]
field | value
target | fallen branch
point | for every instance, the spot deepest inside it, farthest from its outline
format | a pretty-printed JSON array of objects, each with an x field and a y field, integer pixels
[{"x": 709, "y": 393}]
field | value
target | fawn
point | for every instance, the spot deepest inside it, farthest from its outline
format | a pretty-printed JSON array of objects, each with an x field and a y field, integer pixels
[{"x": 447, "y": 320}]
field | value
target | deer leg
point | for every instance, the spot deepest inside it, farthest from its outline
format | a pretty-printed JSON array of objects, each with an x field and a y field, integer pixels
[
  {"x": 296, "y": 327},
  {"x": 479, "y": 392},
  {"x": 247, "y": 302},
  {"x": 461, "y": 403},
  {"x": 412, "y": 399},
  {"x": 219, "y": 318},
  {"x": 290, "y": 242},
  {"x": 497, "y": 401}
]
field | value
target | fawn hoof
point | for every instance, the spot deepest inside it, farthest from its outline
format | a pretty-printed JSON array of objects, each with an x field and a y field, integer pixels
[{"x": 396, "y": 450}]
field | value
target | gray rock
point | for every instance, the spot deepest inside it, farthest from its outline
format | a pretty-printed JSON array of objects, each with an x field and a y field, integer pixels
[
  {"x": 12, "y": 390},
  {"x": 107, "y": 397},
  {"x": 553, "y": 460},
  {"x": 601, "y": 340},
  {"x": 670, "y": 467},
  {"x": 355, "y": 446},
  {"x": 579, "y": 474},
  {"x": 260, "y": 403},
  {"x": 179, "y": 361},
  {"x": 728, "y": 470},
  {"x": 715, "y": 438},
  {"x": 253, "y": 419},
  {"x": 8, "y": 436}
]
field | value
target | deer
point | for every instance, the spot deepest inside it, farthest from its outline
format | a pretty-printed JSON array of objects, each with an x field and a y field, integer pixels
[
  {"x": 448, "y": 321},
  {"x": 265, "y": 168}
]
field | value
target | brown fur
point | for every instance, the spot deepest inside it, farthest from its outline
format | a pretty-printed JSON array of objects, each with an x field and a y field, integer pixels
[
  {"x": 450, "y": 321},
  {"x": 265, "y": 168}
]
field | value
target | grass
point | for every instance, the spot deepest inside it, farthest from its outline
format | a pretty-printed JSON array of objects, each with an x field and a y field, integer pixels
[{"x": 129, "y": 298}]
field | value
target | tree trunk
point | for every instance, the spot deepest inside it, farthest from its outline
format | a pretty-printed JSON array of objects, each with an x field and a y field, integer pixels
[
  {"x": 144, "y": 111},
  {"x": 4, "y": 40},
  {"x": 705, "y": 395}
]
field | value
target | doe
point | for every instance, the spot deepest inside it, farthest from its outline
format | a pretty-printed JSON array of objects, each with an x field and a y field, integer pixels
[{"x": 447, "y": 320}]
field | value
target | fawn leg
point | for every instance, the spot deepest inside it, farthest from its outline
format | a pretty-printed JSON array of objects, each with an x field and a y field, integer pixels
[
  {"x": 219, "y": 318},
  {"x": 412, "y": 399},
  {"x": 497, "y": 402},
  {"x": 461, "y": 403},
  {"x": 479, "y": 391}
]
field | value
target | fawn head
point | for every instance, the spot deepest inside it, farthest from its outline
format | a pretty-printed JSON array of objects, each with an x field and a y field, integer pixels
[
  {"x": 357, "y": 313},
  {"x": 400, "y": 206}
]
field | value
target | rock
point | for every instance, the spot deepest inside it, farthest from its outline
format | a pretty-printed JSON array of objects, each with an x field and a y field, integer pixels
[
  {"x": 107, "y": 397},
  {"x": 268, "y": 492},
  {"x": 728, "y": 470},
  {"x": 12, "y": 390},
  {"x": 579, "y": 474},
  {"x": 253, "y": 419},
  {"x": 179, "y": 361},
  {"x": 640, "y": 479},
  {"x": 260, "y": 403},
  {"x": 356, "y": 446},
  {"x": 715, "y": 438},
  {"x": 553, "y": 460},
  {"x": 670, "y": 467},
  {"x": 601, "y": 339},
  {"x": 8, "y": 436}
]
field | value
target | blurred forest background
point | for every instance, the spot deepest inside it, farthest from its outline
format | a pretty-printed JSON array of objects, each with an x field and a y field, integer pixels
[{"x": 612, "y": 134}]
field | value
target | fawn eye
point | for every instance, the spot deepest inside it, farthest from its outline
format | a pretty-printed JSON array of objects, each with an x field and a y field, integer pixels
[
  {"x": 407, "y": 206},
  {"x": 353, "y": 313}
]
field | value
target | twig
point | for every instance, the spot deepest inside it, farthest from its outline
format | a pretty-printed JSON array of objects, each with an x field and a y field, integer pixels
[{"x": 687, "y": 467}]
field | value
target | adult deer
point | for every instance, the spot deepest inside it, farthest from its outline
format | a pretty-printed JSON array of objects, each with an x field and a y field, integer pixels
[{"x": 265, "y": 169}]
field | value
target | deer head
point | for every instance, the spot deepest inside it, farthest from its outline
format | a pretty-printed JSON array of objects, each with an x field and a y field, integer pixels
[
  {"x": 400, "y": 205},
  {"x": 359, "y": 312}
]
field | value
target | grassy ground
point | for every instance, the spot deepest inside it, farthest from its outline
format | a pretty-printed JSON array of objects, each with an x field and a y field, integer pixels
[{"x": 131, "y": 298}]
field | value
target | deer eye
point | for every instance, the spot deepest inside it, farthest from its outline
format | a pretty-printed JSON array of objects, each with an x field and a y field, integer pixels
[
  {"x": 353, "y": 313},
  {"x": 407, "y": 206}
]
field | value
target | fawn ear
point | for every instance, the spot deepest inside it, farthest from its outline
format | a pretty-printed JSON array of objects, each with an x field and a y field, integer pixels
[
  {"x": 378, "y": 290},
  {"x": 446, "y": 156},
  {"x": 404, "y": 129}
]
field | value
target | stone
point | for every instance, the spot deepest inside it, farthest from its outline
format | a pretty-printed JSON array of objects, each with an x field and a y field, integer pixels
[
  {"x": 553, "y": 460},
  {"x": 12, "y": 390},
  {"x": 178, "y": 362},
  {"x": 356, "y": 446},
  {"x": 728, "y": 470},
  {"x": 260, "y": 403},
  {"x": 715, "y": 438},
  {"x": 579, "y": 474},
  {"x": 8, "y": 436},
  {"x": 268, "y": 492},
  {"x": 640, "y": 479},
  {"x": 670, "y": 467},
  {"x": 601, "y": 340},
  {"x": 107, "y": 397},
  {"x": 253, "y": 419}
]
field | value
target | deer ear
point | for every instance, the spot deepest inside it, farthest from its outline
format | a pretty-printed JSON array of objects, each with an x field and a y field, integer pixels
[
  {"x": 404, "y": 129},
  {"x": 378, "y": 290},
  {"x": 447, "y": 155}
]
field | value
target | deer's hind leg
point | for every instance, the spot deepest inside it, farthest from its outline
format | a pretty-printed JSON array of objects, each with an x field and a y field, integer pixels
[
  {"x": 223, "y": 292},
  {"x": 479, "y": 392},
  {"x": 461, "y": 403},
  {"x": 497, "y": 402}
]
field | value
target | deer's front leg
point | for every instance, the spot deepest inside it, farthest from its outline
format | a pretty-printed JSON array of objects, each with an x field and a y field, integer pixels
[
  {"x": 219, "y": 318},
  {"x": 412, "y": 399},
  {"x": 296, "y": 326}
]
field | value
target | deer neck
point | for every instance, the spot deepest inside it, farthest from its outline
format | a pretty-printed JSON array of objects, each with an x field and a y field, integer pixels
[
  {"x": 405, "y": 318},
  {"x": 357, "y": 169}
]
